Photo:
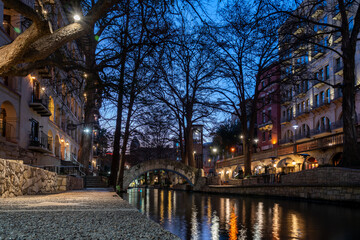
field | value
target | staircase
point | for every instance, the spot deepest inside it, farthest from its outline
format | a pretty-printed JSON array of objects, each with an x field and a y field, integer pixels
[{"x": 95, "y": 182}]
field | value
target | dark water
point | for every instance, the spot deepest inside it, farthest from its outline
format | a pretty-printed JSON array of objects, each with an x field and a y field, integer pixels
[{"x": 208, "y": 216}]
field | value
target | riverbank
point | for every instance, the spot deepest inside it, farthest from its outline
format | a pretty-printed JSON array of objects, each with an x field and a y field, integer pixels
[{"x": 85, "y": 214}]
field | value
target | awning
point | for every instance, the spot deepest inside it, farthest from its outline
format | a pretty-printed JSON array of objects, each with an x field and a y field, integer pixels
[{"x": 282, "y": 162}]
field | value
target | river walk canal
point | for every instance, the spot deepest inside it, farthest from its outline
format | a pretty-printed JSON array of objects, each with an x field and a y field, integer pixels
[{"x": 192, "y": 215}]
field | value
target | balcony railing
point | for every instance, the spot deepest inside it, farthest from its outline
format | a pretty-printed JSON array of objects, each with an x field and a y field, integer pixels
[
  {"x": 40, "y": 105},
  {"x": 302, "y": 136},
  {"x": 337, "y": 37},
  {"x": 40, "y": 143},
  {"x": 322, "y": 129},
  {"x": 286, "y": 119},
  {"x": 339, "y": 69},
  {"x": 286, "y": 140},
  {"x": 324, "y": 102},
  {"x": 303, "y": 112},
  {"x": 317, "y": 51}
]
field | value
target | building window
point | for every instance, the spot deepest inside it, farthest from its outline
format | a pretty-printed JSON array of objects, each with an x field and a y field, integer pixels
[
  {"x": 327, "y": 97},
  {"x": 270, "y": 135},
  {"x": 322, "y": 97},
  {"x": 263, "y": 136},
  {"x": 317, "y": 103},
  {"x": 327, "y": 72},
  {"x": 263, "y": 117},
  {"x": 338, "y": 64},
  {"x": 321, "y": 75},
  {"x": 269, "y": 115}
]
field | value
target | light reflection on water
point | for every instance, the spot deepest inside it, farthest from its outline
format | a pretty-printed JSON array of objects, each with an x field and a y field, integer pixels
[{"x": 206, "y": 216}]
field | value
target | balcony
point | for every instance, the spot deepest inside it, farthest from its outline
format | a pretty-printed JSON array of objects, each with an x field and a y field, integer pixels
[
  {"x": 338, "y": 124},
  {"x": 320, "y": 130},
  {"x": 322, "y": 104},
  {"x": 317, "y": 51},
  {"x": 286, "y": 100},
  {"x": 40, "y": 144},
  {"x": 302, "y": 136},
  {"x": 318, "y": 83},
  {"x": 301, "y": 92},
  {"x": 337, "y": 37},
  {"x": 339, "y": 70},
  {"x": 286, "y": 140},
  {"x": 286, "y": 120},
  {"x": 338, "y": 96},
  {"x": 40, "y": 105},
  {"x": 303, "y": 113}
]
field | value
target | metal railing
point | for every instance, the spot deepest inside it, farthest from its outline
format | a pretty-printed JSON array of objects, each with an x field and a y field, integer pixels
[
  {"x": 321, "y": 129},
  {"x": 43, "y": 141},
  {"x": 44, "y": 100}
]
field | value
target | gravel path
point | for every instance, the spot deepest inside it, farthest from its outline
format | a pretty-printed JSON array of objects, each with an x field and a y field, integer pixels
[{"x": 87, "y": 214}]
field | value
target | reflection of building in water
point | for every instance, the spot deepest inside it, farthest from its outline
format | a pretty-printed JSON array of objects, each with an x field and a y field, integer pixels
[
  {"x": 215, "y": 227},
  {"x": 276, "y": 221},
  {"x": 194, "y": 223},
  {"x": 259, "y": 221},
  {"x": 169, "y": 206},
  {"x": 209, "y": 209},
  {"x": 162, "y": 206},
  {"x": 233, "y": 232}
]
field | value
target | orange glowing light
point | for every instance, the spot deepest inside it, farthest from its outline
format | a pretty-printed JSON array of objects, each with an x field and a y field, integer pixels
[
  {"x": 232, "y": 149},
  {"x": 274, "y": 142}
]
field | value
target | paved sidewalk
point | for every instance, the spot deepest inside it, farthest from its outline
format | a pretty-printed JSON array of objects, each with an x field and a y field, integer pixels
[{"x": 87, "y": 214}]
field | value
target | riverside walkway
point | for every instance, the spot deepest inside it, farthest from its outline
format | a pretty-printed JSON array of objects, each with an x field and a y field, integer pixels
[{"x": 84, "y": 214}]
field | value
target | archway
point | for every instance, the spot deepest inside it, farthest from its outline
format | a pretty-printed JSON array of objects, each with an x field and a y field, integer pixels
[
  {"x": 50, "y": 141},
  {"x": 51, "y": 108},
  {"x": 62, "y": 142},
  {"x": 57, "y": 146},
  {"x": 8, "y": 121},
  {"x": 190, "y": 174},
  {"x": 336, "y": 159},
  {"x": 311, "y": 163}
]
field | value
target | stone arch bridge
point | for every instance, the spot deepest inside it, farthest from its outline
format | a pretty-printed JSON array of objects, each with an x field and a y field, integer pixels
[{"x": 190, "y": 174}]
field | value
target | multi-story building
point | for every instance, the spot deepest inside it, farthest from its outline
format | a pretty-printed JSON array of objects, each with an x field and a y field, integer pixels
[
  {"x": 40, "y": 114},
  {"x": 268, "y": 113},
  {"x": 311, "y": 107}
]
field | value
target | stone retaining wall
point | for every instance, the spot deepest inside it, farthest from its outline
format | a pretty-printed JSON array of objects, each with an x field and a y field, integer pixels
[
  {"x": 17, "y": 179},
  {"x": 65, "y": 183},
  {"x": 323, "y": 176},
  {"x": 349, "y": 194}
]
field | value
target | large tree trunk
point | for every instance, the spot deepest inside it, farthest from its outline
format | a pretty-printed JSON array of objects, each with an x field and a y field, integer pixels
[
  {"x": 351, "y": 153},
  {"x": 120, "y": 175},
  {"x": 181, "y": 143},
  {"x": 189, "y": 147},
  {"x": 247, "y": 160},
  {"x": 117, "y": 135}
]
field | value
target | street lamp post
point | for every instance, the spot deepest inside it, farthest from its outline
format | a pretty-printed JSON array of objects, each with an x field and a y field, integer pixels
[{"x": 295, "y": 127}]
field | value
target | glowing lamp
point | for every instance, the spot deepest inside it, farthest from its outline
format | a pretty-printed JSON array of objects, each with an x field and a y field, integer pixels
[
  {"x": 294, "y": 163},
  {"x": 77, "y": 17},
  {"x": 232, "y": 149}
]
